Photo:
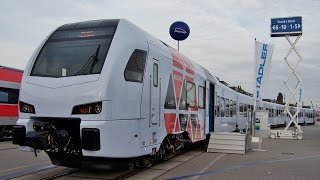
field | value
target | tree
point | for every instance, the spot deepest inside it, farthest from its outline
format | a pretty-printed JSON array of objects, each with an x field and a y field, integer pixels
[{"x": 280, "y": 98}]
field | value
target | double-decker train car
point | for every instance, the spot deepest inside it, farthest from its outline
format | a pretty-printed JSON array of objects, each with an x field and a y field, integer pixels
[
  {"x": 307, "y": 115},
  {"x": 105, "y": 90},
  {"x": 10, "y": 80},
  {"x": 245, "y": 105},
  {"x": 317, "y": 115},
  {"x": 276, "y": 113}
]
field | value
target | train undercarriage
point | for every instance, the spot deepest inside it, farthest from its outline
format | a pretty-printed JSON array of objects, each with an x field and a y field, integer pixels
[{"x": 61, "y": 140}]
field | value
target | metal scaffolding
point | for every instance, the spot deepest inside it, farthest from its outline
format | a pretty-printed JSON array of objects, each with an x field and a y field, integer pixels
[{"x": 297, "y": 132}]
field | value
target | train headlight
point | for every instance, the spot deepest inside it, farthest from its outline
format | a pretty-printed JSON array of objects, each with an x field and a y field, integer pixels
[
  {"x": 26, "y": 108},
  {"x": 92, "y": 108}
]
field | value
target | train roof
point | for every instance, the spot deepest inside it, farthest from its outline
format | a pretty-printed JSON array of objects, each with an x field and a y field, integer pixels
[{"x": 90, "y": 24}]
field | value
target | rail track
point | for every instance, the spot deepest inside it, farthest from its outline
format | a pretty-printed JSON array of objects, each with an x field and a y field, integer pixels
[
  {"x": 48, "y": 171},
  {"x": 5, "y": 139},
  {"x": 7, "y": 146}
]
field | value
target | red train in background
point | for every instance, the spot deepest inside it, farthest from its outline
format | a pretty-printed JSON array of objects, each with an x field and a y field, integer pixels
[{"x": 10, "y": 80}]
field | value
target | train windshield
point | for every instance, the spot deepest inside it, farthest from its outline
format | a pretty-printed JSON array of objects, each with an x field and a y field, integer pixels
[{"x": 74, "y": 52}]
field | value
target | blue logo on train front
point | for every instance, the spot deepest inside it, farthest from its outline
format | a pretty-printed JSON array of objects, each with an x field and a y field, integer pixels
[{"x": 179, "y": 30}]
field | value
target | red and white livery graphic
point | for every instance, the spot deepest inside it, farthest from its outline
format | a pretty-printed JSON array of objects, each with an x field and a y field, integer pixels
[{"x": 10, "y": 80}]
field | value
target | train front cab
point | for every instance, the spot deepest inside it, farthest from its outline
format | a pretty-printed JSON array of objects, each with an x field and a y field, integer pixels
[{"x": 81, "y": 108}]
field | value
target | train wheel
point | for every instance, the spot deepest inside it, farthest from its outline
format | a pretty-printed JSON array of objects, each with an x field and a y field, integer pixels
[
  {"x": 146, "y": 162},
  {"x": 1, "y": 132}
]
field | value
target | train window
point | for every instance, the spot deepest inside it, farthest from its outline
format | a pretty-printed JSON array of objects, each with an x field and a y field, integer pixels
[
  {"x": 183, "y": 98},
  {"x": 227, "y": 108},
  {"x": 3, "y": 96},
  {"x": 234, "y": 107},
  {"x": 74, "y": 52},
  {"x": 270, "y": 113},
  {"x": 170, "y": 102},
  {"x": 231, "y": 108},
  {"x": 245, "y": 110},
  {"x": 222, "y": 106},
  {"x": 218, "y": 106},
  {"x": 201, "y": 97},
  {"x": 135, "y": 67},
  {"x": 241, "y": 108},
  {"x": 191, "y": 94},
  {"x": 274, "y": 113},
  {"x": 9, "y": 96},
  {"x": 155, "y": 75}
]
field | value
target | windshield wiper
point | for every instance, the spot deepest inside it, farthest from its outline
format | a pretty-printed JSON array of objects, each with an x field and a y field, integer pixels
[{"x": 91, "y": 62}]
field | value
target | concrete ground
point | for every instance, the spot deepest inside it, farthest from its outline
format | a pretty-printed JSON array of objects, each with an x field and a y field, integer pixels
[
  {"x": 12, "y": 159},
  {"x": 283, "y": 159}
]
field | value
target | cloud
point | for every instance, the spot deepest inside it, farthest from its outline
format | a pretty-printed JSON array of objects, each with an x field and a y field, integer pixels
[{"x": 221, "y": 39}]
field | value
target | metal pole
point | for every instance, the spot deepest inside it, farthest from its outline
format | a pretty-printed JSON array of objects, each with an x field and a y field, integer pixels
[
  {"x": 254, "y": 78},
  {"x": 254, "y": 92},
  {"x": 178, "y": 45}
]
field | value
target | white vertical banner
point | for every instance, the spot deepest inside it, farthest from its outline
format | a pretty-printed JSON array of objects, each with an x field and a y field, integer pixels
[{"x": 263, "y": 56}]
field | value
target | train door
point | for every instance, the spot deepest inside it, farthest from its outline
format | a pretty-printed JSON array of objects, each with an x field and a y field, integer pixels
[
  {"x": 211, "y": 107},
  {"x": 155, "y": 94},
  {"x": 151, "y": 99}
]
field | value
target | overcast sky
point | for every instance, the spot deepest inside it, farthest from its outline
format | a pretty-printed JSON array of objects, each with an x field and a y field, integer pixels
[{"x": 221, "y": 39}]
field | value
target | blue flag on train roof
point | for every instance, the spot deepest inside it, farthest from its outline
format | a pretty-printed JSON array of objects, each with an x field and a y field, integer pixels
[{"x": 262, "y": 65}]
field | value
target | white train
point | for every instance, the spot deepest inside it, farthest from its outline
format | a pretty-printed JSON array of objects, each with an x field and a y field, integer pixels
[{"x": 105, "y": 90}]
